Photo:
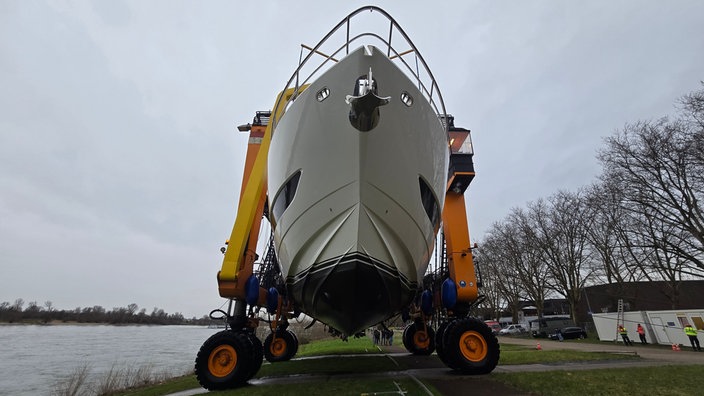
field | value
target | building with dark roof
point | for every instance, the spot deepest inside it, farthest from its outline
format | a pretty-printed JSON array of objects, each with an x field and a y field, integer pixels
[{"x": 641, "y": 296}]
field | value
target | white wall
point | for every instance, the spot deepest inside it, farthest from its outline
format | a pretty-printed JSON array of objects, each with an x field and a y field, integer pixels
[
  {"x": 607, "y": 327},
  {"x": 661, "y": 327},
  {"x": 668, "y": 325}
]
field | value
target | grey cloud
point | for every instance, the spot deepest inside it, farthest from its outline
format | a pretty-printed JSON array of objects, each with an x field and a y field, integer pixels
[{"x": 120, "y": 166}]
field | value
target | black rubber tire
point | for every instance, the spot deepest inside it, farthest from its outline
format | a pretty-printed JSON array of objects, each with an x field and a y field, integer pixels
[
  {"x": 294, "y": 349},
  {"x": 257, "y": 354},
  {"x": 411, "y": 343},
  {"x": 219, "y": 351},
  {"x": 470, "y": 347},
  {"x": 408, "y": 340},
  {"x": 282, "y": 349},
  {"x": 439, "y": 343}
]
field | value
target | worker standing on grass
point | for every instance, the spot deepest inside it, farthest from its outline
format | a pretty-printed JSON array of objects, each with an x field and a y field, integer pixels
[
  {"x": 624, "y": 334},
  {"x": 641, "y": 334},
  {"x": 692, "y": 334}
]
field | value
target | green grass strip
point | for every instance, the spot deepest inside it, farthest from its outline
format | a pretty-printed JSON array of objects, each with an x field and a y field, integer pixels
[
  {"x": 661, "y": 380},
  {"x": 336, "y": 346},
  {"x": 516, "y": 354},
  {"x": 329, "y": 366}
]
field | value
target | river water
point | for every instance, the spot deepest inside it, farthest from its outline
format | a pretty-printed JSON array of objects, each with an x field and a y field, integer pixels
[{"x": 34, "y": 359}]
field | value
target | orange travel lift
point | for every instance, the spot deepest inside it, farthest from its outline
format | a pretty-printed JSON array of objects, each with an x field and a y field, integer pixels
[{"x": 440, "y": 316}]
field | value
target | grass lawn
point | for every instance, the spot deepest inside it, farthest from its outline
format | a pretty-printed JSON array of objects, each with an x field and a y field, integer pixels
[
  {"x": 660, "y": 380},
  {"x": 517, "y": 354},
  {"x": 335, "y": 346}
]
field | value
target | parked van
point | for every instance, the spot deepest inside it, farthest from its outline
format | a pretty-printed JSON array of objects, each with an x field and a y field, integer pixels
[
  {"x": 493, "y": 325},
  {"x": 545, "y": 326}
]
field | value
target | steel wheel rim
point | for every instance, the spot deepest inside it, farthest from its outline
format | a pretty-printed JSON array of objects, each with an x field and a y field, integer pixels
[
  {"x": 222, "y": 361},
  {"x": 278, "y": 347},
  {"x": 421, "y": 339},
  {"x": 473, "y": 346}
]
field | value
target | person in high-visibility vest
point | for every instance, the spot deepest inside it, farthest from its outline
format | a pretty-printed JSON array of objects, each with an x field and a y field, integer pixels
[
  {"x": 692, "y": 334},
  {"x": 624, "y": 334},
  {"x": 641, "y": 334}
]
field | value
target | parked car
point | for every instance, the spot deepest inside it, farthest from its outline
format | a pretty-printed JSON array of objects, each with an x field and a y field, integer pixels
[
  {"x": 513, "y": 330},
  {"x": 493, "y": 325},
  {"x": 569, "y": 333},
  {"x": 543, "y": 327}
]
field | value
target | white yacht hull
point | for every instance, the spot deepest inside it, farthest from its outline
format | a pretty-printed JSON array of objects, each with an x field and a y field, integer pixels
[{"x": 352, "y": 234}]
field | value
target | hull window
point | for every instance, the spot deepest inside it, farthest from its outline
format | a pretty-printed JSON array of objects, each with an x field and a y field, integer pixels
[
  {"x": 322, "y": 94},
  {"x": 430, "y": 203},
  {"x": 285, "y": 197},
  {"x": 407, "y": 99}
]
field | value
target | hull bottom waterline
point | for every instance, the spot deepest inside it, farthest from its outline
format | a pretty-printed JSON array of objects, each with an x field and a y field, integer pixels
[{"x": 351, "y": 292}]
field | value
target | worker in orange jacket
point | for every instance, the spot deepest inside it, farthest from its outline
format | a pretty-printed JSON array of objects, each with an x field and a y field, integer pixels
[{"x": 641, "y": 334}]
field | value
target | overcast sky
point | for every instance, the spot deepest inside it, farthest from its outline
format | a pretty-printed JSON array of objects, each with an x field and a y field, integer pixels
[{"x": 120, "y": 163}]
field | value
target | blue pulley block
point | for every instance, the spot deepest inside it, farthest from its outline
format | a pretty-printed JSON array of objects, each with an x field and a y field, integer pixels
[
  {"x": 251, "y": 290},
  {"x": 272, "y": 299},
  {"x": 448, "y": 293},
  {"x": 426, "y": 302}
]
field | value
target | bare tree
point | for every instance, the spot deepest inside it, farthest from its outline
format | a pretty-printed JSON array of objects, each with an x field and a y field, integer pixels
[
  {"x": 657, "y": 166},
  {"x": 643, "y": 220},
  {"x": 492, "y": 279},
  {"x": 610, "y": 234},
  {"x": 533, "y": 269},
  {"x": 561, "y": 229},
  {"x": 603, "y": 206},
  {"x": 17, "y": 306},
  {"x": 648, "y": 241},
  {"x": 517, "y": 269},
  {"x": 501, "y": 264},
  {"x": 33, "y": 307},
  {"x": 692, "y": 108}
]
